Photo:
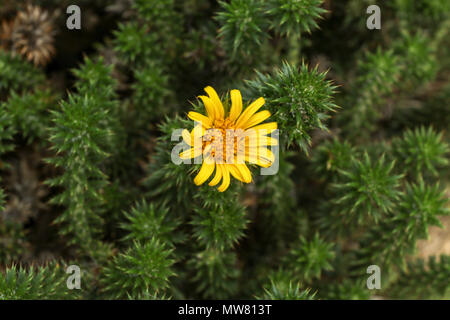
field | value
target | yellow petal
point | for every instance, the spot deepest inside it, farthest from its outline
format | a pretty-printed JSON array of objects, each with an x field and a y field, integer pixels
[
  {"x": 245, "y": 172},
  {"x": 197, "y": 133},
  {"x": 236, "y": 104},
  {"x": 249, "y": 111},
  {"x": 209, "y": 106},
  {"x": 219, "y": 111},
  {"x": 264, "y": 153},
  {"x": 255, "y": 119},
  {"x": 205, "y": 172},
  {"x": 191, "y": 153},
  {"x": 226, "y": 179},
  {"x": 186, "y": 137},
  {"x": 253, "y": 159},
  {"x": 204, "y": 120},
  {"x": 261, "y": 141},
  {"x": 235, "y": 172},
  {"x": 269, "y": 127},
  {"x": 217, "y": 177}
]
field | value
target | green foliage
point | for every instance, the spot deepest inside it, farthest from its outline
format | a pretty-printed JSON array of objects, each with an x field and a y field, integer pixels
[
  {"x": 348, "y": 289},
  {"x": 379, "y": 72},
  {"x": 148, "y": 55},
  {"x": 142, "y": 270},
  {"x": 423, "y": 280},
  {"x": 286, "y": 291},
  {"x": 81, "y": 159},
  {"x": 390, "y": 241},
  {"x": 299, "y": 100},
  {"x": 146, "y": 221},
  {"x": 111, "y": 196},
  {"x": 16, "y": 74},
  {"x": 405, "y": 67},
  {"x": 421, "y": 151},
  {"x": 422, "y": 13},
  {"x": 160, "y": 15},
  {"x": 151, "y": 87},
  {"x": 49, "y": 282},
  {"x": 332, "y": 156},
  {"x": 7, "y": 129},
  {"x": 281, "y": 220},
  {"x": 294, "y": 17},
  {"x": 219, "y": 226},
  {"x": 431, "y": 113},
  {"x": 134, "y": 43},
  {"x": 278, "y": 187},
  {"x": 418, "y": 63},
  {"x": 310, "y": 258},
  {"x": 378, "y": 75},
  {"x": 13, "y": 241},
  {"x": 367, "y": 190},
  {"x": 214, "y": 273},
  {"x": 168, "y": 182},
  {"x": 82, "y": 133},
  {"x": 243, "y": 26},
  {"x": 30, "y": 113}
]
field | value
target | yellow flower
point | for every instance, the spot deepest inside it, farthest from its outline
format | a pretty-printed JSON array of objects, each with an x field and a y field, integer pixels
[{"x": 226, "y": 140}]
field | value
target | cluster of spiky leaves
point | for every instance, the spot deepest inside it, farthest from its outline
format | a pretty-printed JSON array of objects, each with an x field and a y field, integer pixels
[
  {"x": 243, "y": 26},
  {"x": 30, "y": 112},
  {"x": 408, "y": 64},
  {"x": 47, "y": 282},
  {"x": 294, "y": 17},
  {"x": 218, "y": 224},
  {"x": 300, "y": 100},
  {"x": 283, "y": 290},
  {"x": 17, "y": 75},
  {"x": 133, "y": 43},
  {"x": 332, "y": 156},
  {"x": 379, "y": 73},
  {"x": 421, "y": 151},
  {"x": 417, "y": 64},
  {"x": 309, "y": 258},
  {"x": 280, "y": 218},
  {"x": 147, "y": 54},
  {"x": 366, "y": 191},
  {"x": 146, "y": 221},
  {"x": 423, "y": 279},
  {"x": 387, "y": 243},
  {"x": 170, "y": 183},
  {"x": 219, "y": 227},
  {"x": 82, "y": 135},
  {"x": 143, "y": 269}
]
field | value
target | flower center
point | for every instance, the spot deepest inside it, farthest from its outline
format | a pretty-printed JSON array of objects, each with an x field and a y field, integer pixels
[{"x": 223, "y": 142}]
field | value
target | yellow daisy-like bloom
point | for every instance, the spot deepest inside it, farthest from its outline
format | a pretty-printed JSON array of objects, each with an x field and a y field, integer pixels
[{"x": 226, "y": 140}]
